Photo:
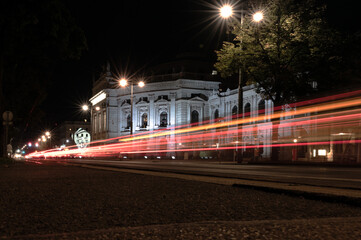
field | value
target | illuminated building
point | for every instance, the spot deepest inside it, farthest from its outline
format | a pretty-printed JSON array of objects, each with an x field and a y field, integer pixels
[
  {"x": 181, "y": 98},
  {"x": 168, "y": 101}
]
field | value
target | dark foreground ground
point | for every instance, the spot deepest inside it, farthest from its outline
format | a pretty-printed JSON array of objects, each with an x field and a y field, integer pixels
[{"x": 48, "y": 201}]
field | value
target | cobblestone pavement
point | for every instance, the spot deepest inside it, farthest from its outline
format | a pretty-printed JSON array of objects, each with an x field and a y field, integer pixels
[{"x": 49, "y": 201}]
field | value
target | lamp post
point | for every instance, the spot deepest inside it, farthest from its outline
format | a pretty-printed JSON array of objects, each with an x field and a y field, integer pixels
[
  {"x": 85, "y": 109},
  {"x": 123, "y": 83},
  {"x": 48, "y": 135},
  {"x": 226, "y": 12}
]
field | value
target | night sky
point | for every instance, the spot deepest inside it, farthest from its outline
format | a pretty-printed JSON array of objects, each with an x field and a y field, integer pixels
[{"x": 134, "y": 35}]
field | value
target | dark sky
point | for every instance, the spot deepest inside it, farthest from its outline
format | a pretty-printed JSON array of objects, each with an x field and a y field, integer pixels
[
  {"x": 131, "y": 35},
  {"x": 136, "y": 34}
]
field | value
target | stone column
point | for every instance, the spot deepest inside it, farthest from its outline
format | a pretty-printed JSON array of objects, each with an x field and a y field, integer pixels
[
  {"x": 151, "y": 112},
  {"x": 222, "y": 108},
  {"x": 172, "y": 109},
  {"x": 119, "y": 118},
  {"x": 188, "y": 113},
  {"x": 135, "y": 120}
]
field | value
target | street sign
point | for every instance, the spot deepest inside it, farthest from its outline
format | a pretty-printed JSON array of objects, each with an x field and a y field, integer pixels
[
  {"x": 81, "y": 138},
  {"x": 7, "y": 116}
]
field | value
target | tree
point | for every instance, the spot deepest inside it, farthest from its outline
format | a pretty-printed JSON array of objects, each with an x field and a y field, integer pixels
[
  {"x": 291, "y": 48},
  {"x": 35, "y": 35}
]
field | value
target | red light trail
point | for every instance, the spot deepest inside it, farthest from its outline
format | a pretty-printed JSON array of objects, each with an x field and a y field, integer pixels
[{"x": 329, "y": 120}]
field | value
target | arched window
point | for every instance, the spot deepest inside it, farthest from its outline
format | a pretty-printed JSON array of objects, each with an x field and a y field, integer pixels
[
  {"x": 129, "y": 121},
  {"x": 234, "y": 110},
  {"x": 163, "y": 119},
  {"x": 194, "y": 116},
  {"x": 144, "y": 120},
  {"x": 216, "y": 114},
  {"x": 261, "y": 108},
  {"x": 247, "y": 110}
]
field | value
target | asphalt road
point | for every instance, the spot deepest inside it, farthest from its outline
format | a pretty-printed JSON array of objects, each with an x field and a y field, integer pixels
[
  {"x": 333, "y": 176},
  {"x": 55, "y": 201}
]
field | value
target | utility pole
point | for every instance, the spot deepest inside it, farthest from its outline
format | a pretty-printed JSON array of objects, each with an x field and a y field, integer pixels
[{"x": 7, "y": 121}]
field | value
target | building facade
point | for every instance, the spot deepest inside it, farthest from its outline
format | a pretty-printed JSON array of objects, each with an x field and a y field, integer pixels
[
  {"x": 180, "y": 99},
  {"x": 168, "y": 104}
]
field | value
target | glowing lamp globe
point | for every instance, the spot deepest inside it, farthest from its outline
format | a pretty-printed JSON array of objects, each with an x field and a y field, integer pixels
[
  {"x": 123, "y": 82},
  {"x": 85, "y": 107},
  {"x": 257, "y": 17},
  {"x": 226, "y": 11},
  {"x": 141, "y": 84}
]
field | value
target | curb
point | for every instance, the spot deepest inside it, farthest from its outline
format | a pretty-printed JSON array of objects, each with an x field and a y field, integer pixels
[{"x": 329, "y": 194}]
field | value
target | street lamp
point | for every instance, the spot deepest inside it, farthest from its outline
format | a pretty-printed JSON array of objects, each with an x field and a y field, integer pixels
[
  {"x": 85, "y": 107},
  {"x": 123, "y": 83},
  {"x": 48, "y": 136},
  {"x": 226, "y": 12},
  {"x": 258, "y": 16}
]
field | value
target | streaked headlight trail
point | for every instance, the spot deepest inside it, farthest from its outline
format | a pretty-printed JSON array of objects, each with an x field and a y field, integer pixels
[{"x": 332, "y": 120}]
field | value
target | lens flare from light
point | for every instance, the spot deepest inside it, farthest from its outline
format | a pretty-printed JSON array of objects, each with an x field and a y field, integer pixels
[
  {"x": 332, "y": 121},
  {"x": 141, "y": 84},
  {"x": 85, "y": 107},
  {"x": 123, "y": 82},
  {"x": 258, "y": 16},
  {"x": 226, "y": 11}
]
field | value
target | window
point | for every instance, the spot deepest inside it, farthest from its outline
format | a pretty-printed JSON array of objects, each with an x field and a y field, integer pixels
[
  {"x": 194, "y": 116},
  {"x": 216, "y": 114},
  {"x": 261, "y": 108},
  {"x": 165, "y": 97},
  {"x": 163, "y": 119},
  {"x": 234, "y": 110},
  {"x": 129, "y": 121},
  {"x": 144, "y": 120},
  {"x": 145, "y": 99},
  {"x": 247, "y": 110}
]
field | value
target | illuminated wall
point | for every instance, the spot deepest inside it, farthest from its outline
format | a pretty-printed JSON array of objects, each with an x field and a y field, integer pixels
[
  {"x": 169, "y": 104},
  {"x": 180, "y": 102}
]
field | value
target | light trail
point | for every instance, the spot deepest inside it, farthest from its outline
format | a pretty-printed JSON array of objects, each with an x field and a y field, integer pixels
[
  {"x": 277, "y": 115},
  {"x": 329, "y": 118}
]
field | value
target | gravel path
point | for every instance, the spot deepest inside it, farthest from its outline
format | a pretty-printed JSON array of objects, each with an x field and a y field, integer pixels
[{"x": 46, "y": 201}]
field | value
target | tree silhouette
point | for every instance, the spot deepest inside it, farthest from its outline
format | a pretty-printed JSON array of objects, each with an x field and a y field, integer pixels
[{"x": 36, "y": 35}]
